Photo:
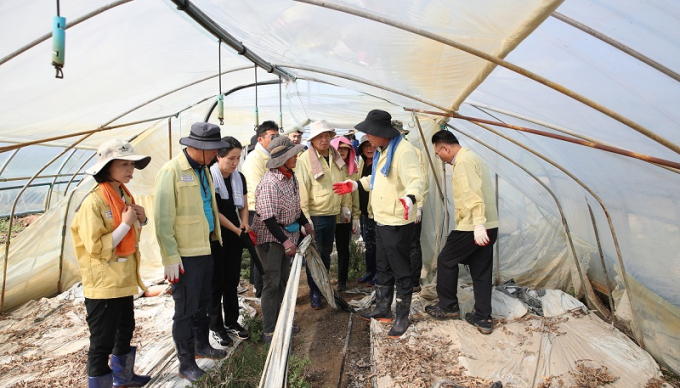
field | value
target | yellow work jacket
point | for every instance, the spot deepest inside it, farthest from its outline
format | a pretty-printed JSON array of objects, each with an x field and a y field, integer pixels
[
  {"x": 404, "y": 178},
  {"x": 181, "y": 226},
  {"x": 104, "y": 274},
  {"x": 354, "y": 197},
  {"x": 316, "y": 195},
  {"x": 426, "y": 176},
  {"x": 474, "y": 200},
  {"x": 253, "y": 169}
]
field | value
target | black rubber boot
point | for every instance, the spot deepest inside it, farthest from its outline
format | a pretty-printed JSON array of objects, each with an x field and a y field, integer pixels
[
  {"x": 187, "y": 363},
  {"x": 383, "y": 305},
  {"x": 203, "y": 347},
  {"x": 403, "y": 309}
]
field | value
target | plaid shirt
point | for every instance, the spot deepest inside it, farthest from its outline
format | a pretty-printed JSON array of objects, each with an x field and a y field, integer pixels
[{"x": 279, "y": 197}]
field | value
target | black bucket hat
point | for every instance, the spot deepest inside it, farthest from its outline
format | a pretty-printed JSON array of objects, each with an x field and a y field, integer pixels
[
  {"x": 204, "y": 136},
  {"x": 378, "y": 123}
]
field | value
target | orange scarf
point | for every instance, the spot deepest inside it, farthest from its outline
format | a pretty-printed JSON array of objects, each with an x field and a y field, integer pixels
[{"x": 128, "y": 245}]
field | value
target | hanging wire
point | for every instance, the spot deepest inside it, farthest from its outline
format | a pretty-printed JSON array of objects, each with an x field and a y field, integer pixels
[
  {"x": 280, "y": 108},
  {"x": 58, "y": 8},
  {"x": 257, "y": 117},
  {"x": 220, "y": 97}
]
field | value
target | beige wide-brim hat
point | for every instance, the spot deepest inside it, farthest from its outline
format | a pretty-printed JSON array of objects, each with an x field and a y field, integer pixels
[
  {"x": 115, "y": 149},
  {"x": 281, "y": 149},
  {"x": 319, "y": 127}
]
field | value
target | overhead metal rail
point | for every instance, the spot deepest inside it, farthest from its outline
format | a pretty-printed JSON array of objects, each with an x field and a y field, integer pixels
[{"x": 215, "y": 29}]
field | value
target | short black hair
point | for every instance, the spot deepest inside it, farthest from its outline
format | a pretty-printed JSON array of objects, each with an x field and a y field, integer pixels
[
  {"x": 444, "y": 136},
  {"x": 103, "y": 174},
  {"x": 232, "y": 142},
  {"x": 266, "y": 126}
]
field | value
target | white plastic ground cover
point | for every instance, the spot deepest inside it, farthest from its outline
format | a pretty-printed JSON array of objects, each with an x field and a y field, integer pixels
[
  {"x": 522, "y": 352},
  {"x": 45, "y": 341}
]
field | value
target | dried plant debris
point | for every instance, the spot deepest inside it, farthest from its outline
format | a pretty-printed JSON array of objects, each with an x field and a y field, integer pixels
[
  {"x": 581, "y": 376},
  {"x": 416, "y": 364},
  {"x": 655, "y": 382},
  {"x": 549, "y": 325}
]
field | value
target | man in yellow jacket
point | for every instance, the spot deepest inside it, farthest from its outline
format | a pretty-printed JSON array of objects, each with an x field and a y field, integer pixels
[
  {"x": 471, "y": 242},
  {"x": 396, "y": 186},
  {"x": 186, "y": 220},
  {"x": 317, "y": 170}
]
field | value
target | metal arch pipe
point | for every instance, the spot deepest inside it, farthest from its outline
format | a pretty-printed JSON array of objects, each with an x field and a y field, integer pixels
[
  {"x": 48, "y": 197},
  {"x": 615, "y": 239},
  {"x": 4, "y": 165},
  {"x": 583, "y": 276},
  {"x": 11, "y": 216},
  {"x": 236, "y": 89},
  {"x": 365, "y": 82},
  {"x": 604, "y": 265},
  {"x": 618, "y": 45},
  {"x": 74, "y": 23},
  {"x": 675, "y": 166},
  {"x": 503, "y": 63}
]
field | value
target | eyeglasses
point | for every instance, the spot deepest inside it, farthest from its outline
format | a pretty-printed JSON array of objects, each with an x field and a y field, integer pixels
[{"x": 273, "y": 136}]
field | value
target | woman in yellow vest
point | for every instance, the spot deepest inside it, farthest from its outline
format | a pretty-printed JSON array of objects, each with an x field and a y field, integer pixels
[{"x": 105, "y": 233}]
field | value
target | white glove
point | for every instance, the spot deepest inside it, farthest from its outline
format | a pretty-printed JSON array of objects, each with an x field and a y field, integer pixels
[
  {"x": 419, "y": 215},
  {"x": 173, "y": 271},
  {"x": 356, "y": 226},
  {"x": 345, "y": 215},
  {"x": 481, "y": 238},
  {"x": 408, "y": 206}
]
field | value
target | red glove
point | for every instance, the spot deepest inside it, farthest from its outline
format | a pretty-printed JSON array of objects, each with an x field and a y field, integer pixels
[
  {"x": 345, "y": 187},
  {"x": 290, "y": 248},
  {"x": 408, "y": 205}
]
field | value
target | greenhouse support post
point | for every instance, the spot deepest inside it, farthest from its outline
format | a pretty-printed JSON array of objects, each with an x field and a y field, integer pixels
[{"x": 604, "y": 265}]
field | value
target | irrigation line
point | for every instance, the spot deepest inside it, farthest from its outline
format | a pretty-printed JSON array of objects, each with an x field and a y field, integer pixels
[
  {"x": 344, "y": 349},
  {"x": 72, "y": 24},
  {"x": 503, "y": 63}
]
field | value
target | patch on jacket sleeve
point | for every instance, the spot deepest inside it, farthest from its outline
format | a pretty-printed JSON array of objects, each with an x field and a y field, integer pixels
[{"x": 108, "y": 214}]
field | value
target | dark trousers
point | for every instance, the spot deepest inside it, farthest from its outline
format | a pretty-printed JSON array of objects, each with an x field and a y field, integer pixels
[
  {"x": 368, "y": 235},
  {"x": 416, "y": 254},
  {"x": 324, "y": 226},
  {"x": 460, "y": 248},
  {"x": 255, "y": 275},
  {"x": 393, "y": 245},
  {"x": 111, "y": 323},
  {"x": 191, "y": 294},
  {"x": 225, "y": 279},
  {"x": 276, "y": 267},
  {"x": 343, "y": 234}
]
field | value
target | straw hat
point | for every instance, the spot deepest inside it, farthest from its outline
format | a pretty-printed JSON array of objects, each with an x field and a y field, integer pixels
[
  {"x": 117, "y": 149},
  {"x": 281, "y": 149},
  {"x": 204, "y": 136},
  {"x": 319, "y": 127},
  {"x": 378, "y": 123}
]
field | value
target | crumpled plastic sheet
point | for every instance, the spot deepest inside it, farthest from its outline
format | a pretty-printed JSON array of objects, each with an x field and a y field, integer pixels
[{"x": 531, "y": 298}]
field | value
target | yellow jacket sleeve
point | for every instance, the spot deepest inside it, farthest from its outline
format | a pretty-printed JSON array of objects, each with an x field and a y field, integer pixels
[
  {"x": 303, "y": 175},
  {"x": 164, "y": 219},
  {"x": 90, "y": 229},
  {"x": 410, "y": 174}
]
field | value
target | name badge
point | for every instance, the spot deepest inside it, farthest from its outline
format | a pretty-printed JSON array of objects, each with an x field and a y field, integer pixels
[
  {"x": 187, "y": 178},
  {"x": 108, "y": 214}
]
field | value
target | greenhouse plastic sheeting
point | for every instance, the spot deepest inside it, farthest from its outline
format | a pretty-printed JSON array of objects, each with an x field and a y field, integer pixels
[{"x": 146, "y": 71}]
